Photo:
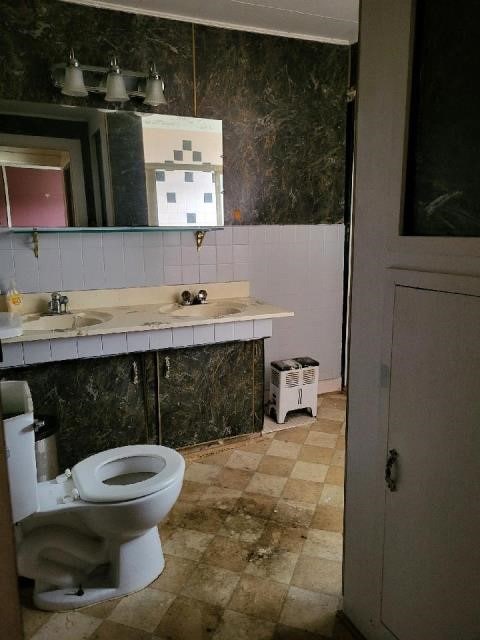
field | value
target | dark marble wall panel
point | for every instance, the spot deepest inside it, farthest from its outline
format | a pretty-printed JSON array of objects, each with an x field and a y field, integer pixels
[
  {"x": 211, "y": 392},
  {"x": 283, "y": 106},
  {"x": 127, "y": 169},
  {"x": 35, "y": 34},
  {"x": 443, "y": 189},
  {"x": 96, "y": 402},
  {"x": 282, "y": 100}
]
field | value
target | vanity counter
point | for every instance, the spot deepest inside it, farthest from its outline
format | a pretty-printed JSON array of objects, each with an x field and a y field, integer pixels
[{"x": 128, "y": 320}]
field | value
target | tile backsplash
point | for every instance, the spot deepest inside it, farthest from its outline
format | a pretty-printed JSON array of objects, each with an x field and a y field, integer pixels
[{"x": 298, "y": 267}]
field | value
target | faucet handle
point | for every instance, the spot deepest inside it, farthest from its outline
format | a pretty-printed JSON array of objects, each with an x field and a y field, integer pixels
[
  {"x": 186, "y": 297},
  {"x": 202, "y": 296}
]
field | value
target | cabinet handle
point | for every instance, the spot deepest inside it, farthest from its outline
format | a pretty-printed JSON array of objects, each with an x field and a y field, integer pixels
[{"x": 391, "y": 461}]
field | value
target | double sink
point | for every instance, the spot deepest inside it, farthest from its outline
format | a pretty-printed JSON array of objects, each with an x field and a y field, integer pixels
[{"x": 163, "y": 313}]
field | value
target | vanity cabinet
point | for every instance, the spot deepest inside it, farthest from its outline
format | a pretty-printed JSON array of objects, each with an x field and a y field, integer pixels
[
  {"x": 210, "y": 392},
  {"x": 99, "y": 403},
  {"x": 176, "y": 397}
]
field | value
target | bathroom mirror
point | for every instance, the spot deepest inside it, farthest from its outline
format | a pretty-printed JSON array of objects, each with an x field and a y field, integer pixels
[{"x": 67, "y": 168}]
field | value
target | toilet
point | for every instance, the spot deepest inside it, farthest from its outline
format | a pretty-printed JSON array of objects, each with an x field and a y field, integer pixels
[{"x": 91, "y": 534}]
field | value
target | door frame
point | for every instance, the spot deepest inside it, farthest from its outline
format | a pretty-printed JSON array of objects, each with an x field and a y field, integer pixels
[{"x": 383, "y": 98}]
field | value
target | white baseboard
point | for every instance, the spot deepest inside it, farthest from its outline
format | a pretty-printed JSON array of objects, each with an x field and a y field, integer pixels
[{"x": 329, "y": 386}]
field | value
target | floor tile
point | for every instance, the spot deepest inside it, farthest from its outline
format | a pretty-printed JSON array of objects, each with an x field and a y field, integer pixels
[
  {"x": 101, "y": 610},
  {"x": 276, "y": 466},
  {"x": 332, "y": 402},
  {"x": 236, "y": 626},
  {"x": 309, "y": 471},
  {"x": 258, "y": 598},
  {"x": 192, "y": 491},
  {"x": 314, "y": 612},
  {"x": 234, "y": 478},
  {"x": 246, "y": 460},
  {"x": 324, "y": 544},
  {"x": 255, "y": 504},
  {"x": 186, "y": 543},
  {"x": 283, "y": 632},
  {"x": 33, "y": 619},
  {"x": 335, "y": 475},
  {"x": 328, "y": 426},
  {"x": 284, "y": 449},
  {"x": 142, "y": 610},
  {"x": 219, "y": 458},
  {"x": 338, "y": 458},
  {"x": 211, "y": 584},
  {"x": 242, "y": 527},
  {"x": 319, "y": 439},
  {"x": 282, "y": 537},
  {"x": 340, "y": 443},
  {"x": 332, "y": 495},
  {"x": 328, "y": 518},
  {"x": 220, "y": 498},
  {"x": 109, "y": 630},
  {"x": 302, "y": 491},
  {"x": 72, "y": 625},
  {"x": 189, "y": 619},
  {"x": 174, "y": 576},
  {"x": 297, "y": 435},
  {"x": 272, "y": 563},
  {"x": 318, "y": 574},
  {"x": 202, "y": 473},
  {"x": 331, "y": 414},
  {"x": 320, "y": 455},
  {"x": 227, "y": 553},
  {"x": 258, "y": 445},
  {"x": 293, "y": 514},
  {"x": 266, "y": 484},
  {"x": 192, "y": 515}
]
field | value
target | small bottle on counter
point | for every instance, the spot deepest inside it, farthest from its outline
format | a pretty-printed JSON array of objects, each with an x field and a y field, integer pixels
[{"x": 13, "y": 298}]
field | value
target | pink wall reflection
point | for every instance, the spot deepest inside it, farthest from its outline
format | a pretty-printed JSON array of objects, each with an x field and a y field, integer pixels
[{"x": 37, "y": 197}]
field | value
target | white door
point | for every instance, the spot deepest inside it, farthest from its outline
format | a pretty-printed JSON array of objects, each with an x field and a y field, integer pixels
[
  {"x": 411, "y": 560},
  {"x": 431, "y": 559}
]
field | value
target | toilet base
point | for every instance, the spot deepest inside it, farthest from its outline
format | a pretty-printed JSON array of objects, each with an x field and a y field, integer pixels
[{"x": 134, "y": 564}]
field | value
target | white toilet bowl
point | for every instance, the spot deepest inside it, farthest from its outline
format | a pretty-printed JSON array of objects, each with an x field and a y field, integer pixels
[{"x": 90, "y": 535}]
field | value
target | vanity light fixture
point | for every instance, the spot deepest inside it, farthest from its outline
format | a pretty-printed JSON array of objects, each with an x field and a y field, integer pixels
[
  {"x": 154, "y": 91},
  {"x": 118, "y": 85},
  {"x": 73, "y": 84},
  {"x": 116, "y": 90}
]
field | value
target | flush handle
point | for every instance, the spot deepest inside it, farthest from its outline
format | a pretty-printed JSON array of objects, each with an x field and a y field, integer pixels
[{"x": 389, "y": 468}]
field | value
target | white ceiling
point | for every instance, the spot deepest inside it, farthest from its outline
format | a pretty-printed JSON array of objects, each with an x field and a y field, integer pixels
[{"x": 333, "y": 21}]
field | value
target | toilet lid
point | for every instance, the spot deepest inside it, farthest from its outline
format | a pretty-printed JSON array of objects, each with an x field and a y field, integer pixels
[{"x": 126, "y": 473}]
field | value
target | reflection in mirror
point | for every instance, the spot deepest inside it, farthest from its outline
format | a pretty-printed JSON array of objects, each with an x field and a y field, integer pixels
[
  {"x": 78, "y": 167},
  {"x": 183, "y": 162}
]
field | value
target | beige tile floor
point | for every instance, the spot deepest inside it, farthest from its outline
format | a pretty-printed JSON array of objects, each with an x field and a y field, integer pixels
[{"x": 253, "y": 547}]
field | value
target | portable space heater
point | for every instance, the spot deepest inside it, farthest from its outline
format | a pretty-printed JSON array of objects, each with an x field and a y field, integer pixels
[{"x": 293, "y": 385}]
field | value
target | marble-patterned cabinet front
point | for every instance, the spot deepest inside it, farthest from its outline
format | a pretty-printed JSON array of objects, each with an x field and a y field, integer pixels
[
  {"x": 207, "y": 392},
  {"x": 210, "y": 392}
]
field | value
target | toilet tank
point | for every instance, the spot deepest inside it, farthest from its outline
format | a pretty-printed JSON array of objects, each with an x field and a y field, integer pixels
[{"x": 17, "y": 411}]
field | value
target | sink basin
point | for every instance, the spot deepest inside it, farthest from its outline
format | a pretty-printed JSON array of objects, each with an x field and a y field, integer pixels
[
  {"x": 208, "y": 310},
  {"x": 66, "y": 322}
]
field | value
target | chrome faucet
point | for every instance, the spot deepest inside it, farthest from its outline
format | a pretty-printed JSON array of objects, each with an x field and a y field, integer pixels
[
  {"x": 58, "y": 304},
  {"x": 187, "y": 297}
]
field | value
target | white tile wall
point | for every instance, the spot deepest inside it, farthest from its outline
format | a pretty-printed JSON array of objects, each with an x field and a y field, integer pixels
[{"x": 296, "y": 267}]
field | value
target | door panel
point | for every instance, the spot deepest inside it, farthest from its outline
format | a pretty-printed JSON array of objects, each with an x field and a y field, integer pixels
[{"x": 432, "y": 525}]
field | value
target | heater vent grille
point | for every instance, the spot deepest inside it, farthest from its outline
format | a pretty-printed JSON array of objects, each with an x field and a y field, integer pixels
[
  {"x": 308, "y": 376},
  {"x": 292, "y": 379}
]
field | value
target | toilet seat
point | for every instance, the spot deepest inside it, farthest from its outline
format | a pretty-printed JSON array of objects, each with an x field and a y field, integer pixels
[{"x": 126, "y": 473}]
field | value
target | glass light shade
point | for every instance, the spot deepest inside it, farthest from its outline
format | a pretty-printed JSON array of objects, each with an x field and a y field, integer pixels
[
  {"x": 73, "y": 84},
  {"x": 116, "y": 91},
  {"x": 154, "y": 92}
]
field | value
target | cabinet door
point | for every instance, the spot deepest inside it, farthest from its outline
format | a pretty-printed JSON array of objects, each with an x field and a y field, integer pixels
[
  {"x": 210, "y": 392},
  {"x": 431, "y": 585},
  {"x": 99, "y": 403}
]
